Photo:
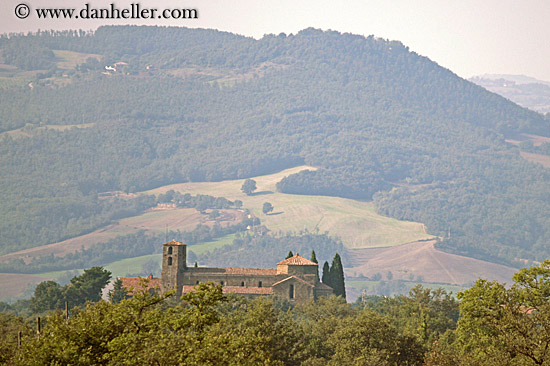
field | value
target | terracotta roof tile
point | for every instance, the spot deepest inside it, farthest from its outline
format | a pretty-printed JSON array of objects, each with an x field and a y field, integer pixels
[
  {"x": 235, "y": 271},
  {"x": 251, "y": 271},
  {"x": 298, "y": 260},
  {"x": 134, "y": 282},
  {"x": 237, "y": 290}
]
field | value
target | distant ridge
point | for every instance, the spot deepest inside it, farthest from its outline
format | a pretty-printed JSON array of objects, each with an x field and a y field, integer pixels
[
  {"x": 524, "y": 90},
  {"x": 518, "y": 79}
]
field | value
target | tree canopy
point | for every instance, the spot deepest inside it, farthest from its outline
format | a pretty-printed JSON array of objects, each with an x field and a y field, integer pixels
[
  {"x": 49, "y": 295},
  {"x": 489, "y": 324},
  {"x": 249, "y": 186},
  {"x": 507, "y": 322},
  {"x": 267, "y": 208}
]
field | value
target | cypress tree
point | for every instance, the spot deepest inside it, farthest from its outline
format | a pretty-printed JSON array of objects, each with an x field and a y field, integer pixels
[
  {"x": 314, "y": 260},
  {"x": 289, "y": 254},
  {"x": 337, "y": 276},
  {"x": 326, "y": 274},
  {"x": 313, "y": 257}
]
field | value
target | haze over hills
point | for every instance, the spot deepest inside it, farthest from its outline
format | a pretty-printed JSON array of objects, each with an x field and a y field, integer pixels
[
  {"x": 159, "y": 106},
  {"x": 524, "y": 90},
  {"x": 518, "y": 79}
]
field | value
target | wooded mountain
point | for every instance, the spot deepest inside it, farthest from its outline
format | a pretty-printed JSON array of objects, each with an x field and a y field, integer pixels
[{"x": 379, "y": 121}]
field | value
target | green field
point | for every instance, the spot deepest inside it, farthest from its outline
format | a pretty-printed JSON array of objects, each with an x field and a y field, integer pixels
[
  {"x": 67, "y": 60},
  {"x": 133, "y": 265},
  {"x": 7, "y": 82},
  {"x": 208, "y": 246},
  {"x": 356, "y": 223},
  {"x": 119, "y": 268},
  {"x": 370, "y": 287}
]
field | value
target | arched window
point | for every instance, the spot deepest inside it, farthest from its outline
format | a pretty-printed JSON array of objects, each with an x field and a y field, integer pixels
[
  {"x": 169, "y": 261},
  {"x": 169, "y": 250},
  {"x": 221, "y": 283},
  {"x": 291, "y": 291},
  {"x": 242, "y": 284},
  {"x": 260, "y": 284},
  {"x": 197, "y": 282}
]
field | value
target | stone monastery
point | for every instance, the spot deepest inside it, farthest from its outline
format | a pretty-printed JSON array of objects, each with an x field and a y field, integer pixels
[{"x": 295, "y": 279}]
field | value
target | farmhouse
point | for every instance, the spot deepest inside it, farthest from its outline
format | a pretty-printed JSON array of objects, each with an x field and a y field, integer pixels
[{"x": 295, "y": 279}]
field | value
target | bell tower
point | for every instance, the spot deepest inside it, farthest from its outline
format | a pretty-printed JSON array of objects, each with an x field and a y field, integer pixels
[{"x": 174, "y": 263}]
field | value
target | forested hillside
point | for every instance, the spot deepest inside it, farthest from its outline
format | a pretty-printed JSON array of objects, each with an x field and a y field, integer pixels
[{"x": 378, "y": 121}]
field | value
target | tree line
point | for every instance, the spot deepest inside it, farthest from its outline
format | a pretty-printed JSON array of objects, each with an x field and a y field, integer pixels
[
  {"x": 263, "y": 251},
  {"x": 489, "y": 324},
  {"x": 122, "y": 247}
]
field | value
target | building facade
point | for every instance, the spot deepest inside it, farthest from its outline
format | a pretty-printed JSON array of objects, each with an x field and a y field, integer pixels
[{"x": 295, "y": 279}]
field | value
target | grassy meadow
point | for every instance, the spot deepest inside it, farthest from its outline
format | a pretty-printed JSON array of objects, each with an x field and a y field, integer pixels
[{"x": 356, "y": 223}]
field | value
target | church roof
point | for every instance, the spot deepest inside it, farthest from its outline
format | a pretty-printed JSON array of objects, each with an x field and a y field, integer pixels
[
  {"x": 135, "y": 283},
  {"x": 297, "y": 260},
  {"x": 237, "y": 290},
  {"x": 293, "y": 278},
  {"x": 233, "y": 271},
  {"x": 174, "y": 242},
  {"x": 252, "y": 271}
]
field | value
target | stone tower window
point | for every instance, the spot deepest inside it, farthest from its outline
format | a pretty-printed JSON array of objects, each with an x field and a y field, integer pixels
[
  {"x": 242, "y": 284},
  {"x": 291, "y": 291},
  {"x": 169, "y": 261},
  {"x": 169, "y": 250},
  {"x": 221, "y": 283},
  {"x": 260, "y": 284}
]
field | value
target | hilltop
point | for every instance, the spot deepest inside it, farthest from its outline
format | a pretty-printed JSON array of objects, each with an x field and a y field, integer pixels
[{"x": 157, "y": 106}]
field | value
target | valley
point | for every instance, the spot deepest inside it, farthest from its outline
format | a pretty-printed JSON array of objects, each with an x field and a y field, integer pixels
[
  {"x": 357, "y": 137},
  {"x": 375, "y": 244}
]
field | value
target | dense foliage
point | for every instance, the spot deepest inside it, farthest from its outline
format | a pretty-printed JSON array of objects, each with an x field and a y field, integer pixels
[
  {"x": 137, "y": 244},
  {"x": 502, "y": 325},
  {"x": 529, "y": 147},
  {"x": 50, "y": 295},
  {"x": 261, "y": 251},
  {"x": 246, "y": 250},
  {"x": 490, "y": 324},
  {"x": 333, "y": 276},
  {"x": 379, "y": 121},
  {"x": 208, "y": 328}
]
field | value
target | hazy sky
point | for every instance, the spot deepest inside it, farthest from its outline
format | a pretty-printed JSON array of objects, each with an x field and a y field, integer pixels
[{"x": 470, "y": 37}]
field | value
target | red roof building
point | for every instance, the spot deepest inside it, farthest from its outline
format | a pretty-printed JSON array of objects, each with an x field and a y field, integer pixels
[{"x": 295, "y": 279}]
